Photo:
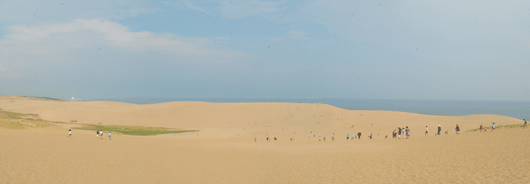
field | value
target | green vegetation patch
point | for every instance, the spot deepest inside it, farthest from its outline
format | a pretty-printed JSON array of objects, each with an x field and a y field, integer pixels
[
  {"x": 10, "y": 115},
  {"x": 13, "y": 120},
  {"x": 497, "y": 127},
  {"x": 133, "y": 130},
  {"x": 12, "y": 125}
]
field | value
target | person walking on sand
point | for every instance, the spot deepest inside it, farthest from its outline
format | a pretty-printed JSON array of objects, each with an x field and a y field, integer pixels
[
  {"x": 426, "y": 130},
  {"x": 101, "y": 134},
  {"x": 492, "y": 126},
  {"x": 70, "y": 133},
  {"x": 399, "y": 132},
  {"x": 480, "y": 128},
  {"x": 347, "y": 136},
  {"x": 407, "y": 131},
  {"x": 524, "y": 125},
  {"x": 457, "y": 129},
  {"x": 359, "y": 135},
  {"x": 110, "y": 135},
  {"x": 97, "y": 134},
  {"x": 439, "y": 130},
  {"x": 255, "y": 139},
  {"x": 333, "y": 137}
]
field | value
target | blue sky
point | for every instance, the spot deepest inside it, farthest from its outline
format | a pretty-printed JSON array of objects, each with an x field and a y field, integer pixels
[{"x": 443, "y": 50}]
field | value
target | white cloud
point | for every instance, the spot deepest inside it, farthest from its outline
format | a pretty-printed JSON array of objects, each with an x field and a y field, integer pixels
[
  {"x": 37, "y": 51},
  {"x": 102, "y": 32},
  {"x": 113, "y": 32}
]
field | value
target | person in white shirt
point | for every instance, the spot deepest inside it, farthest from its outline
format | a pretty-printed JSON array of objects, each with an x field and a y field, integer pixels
[
  {"x": 110, "y": 135},
  {"x": 101, "y": 133},
  {"x": 70, "y": 133}
]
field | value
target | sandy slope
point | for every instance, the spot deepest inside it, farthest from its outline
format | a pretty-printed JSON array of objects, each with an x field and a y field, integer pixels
[{"x": 218, "y": 155}]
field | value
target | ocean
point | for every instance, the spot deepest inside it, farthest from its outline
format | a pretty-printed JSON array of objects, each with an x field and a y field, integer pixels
[{"x": 515, "y": 109}]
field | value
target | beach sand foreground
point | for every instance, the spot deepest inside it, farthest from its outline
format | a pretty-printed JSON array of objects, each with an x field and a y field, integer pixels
[{"x": 224, "y": 151}]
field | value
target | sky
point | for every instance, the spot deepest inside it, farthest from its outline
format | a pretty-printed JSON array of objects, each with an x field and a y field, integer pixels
[{"x": 433, "y": 50}]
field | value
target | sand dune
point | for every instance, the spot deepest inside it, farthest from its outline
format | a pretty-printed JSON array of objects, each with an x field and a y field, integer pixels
[
  {"x": 234, "y": 117},
  {"x": 224, "y": 150}
]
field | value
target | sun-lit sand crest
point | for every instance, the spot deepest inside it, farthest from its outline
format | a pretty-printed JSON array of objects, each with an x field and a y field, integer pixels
[{"x": 231, "y": 144}]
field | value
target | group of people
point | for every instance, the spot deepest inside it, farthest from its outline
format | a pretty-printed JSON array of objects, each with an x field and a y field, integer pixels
[
  {"x": 271, "y": 138},
  {"x": 486, "y": 129},
  {"x": 405, "y": 131},
  {"x": 359, "y": 136},
  {"x": 439, "y": 130},
  {"x": 320, "y": 138},
  {"x": 397, "y": 132},
  {"x": 348, "y": 137},
  {"x": 353, "y": 136},
  {"x": 99, "y": 134}
]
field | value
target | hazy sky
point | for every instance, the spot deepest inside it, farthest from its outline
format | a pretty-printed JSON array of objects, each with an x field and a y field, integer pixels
[{"x": 452, "y": 50}]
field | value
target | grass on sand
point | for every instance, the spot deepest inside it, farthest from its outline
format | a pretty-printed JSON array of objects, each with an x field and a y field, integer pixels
[
  {"x": 133, "y": 130},
  {"x": 497, "y": 127},
  {"x": 13, "y": 120}
]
